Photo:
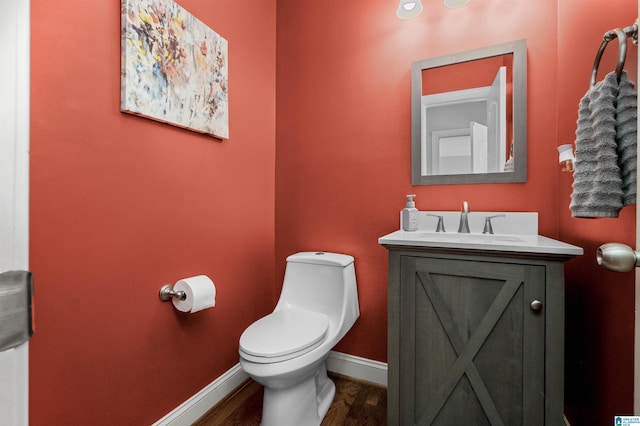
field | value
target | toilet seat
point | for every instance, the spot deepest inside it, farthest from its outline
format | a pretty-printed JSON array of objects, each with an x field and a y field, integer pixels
[{"x": 283, "y": 334}]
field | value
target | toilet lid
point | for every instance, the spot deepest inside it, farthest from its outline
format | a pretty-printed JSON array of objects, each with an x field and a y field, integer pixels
[{"x": 285, "y": 331}]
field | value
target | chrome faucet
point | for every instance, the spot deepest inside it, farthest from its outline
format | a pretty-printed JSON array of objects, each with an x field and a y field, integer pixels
[{"x": 464, "y": 219}]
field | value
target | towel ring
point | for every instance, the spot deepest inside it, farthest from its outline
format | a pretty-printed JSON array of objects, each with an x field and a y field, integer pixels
[
  {"x": 621, "y": 35},
  {"x": 632, "y": 31}
]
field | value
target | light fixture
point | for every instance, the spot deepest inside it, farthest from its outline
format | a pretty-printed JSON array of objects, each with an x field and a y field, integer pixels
[
  {"x": 455, "y": 3},
  {"x": 408, "y": 9}
]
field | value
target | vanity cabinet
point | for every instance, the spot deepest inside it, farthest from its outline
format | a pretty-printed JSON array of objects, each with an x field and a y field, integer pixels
[{"x": 475, "y": 337}]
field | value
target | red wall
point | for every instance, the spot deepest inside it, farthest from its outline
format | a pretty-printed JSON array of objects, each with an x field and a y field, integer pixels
[
  {"x": 600, "y": 304},
  {"x": 121, "y": 205},
  {"x": 465, "y": 75}
]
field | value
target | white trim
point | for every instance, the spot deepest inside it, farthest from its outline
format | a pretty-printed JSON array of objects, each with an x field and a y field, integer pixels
[
  {"x": 14, "y": 135},
  {"x": 355, "y": 367},
  {"x": 195, "y": 407},
  {"x": 14, "y": 189},
  {"x": 477, "y": 94},
  {"x": 14, "y": 389}
]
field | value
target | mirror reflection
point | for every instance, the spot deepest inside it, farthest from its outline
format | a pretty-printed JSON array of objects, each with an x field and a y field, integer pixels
[
  {"x": 469, "y": 117},
  {"x": 466, "y": 130}
]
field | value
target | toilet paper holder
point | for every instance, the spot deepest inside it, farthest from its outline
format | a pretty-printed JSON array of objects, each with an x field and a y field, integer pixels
[{"x": 167, "y": 293}]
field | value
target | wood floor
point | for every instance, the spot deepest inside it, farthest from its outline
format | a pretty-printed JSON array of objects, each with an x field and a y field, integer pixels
[{"x": 355, "y": 404}]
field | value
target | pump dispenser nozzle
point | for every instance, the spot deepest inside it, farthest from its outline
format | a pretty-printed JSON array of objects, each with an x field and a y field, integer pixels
[{"x": 409, "y": 219}]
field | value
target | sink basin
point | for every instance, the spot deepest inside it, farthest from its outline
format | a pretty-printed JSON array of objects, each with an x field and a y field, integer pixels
[{"x": 470, "y": 238}]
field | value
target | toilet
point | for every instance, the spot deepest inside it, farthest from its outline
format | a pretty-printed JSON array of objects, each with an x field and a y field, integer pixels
[{"x": 286, "y": 351}]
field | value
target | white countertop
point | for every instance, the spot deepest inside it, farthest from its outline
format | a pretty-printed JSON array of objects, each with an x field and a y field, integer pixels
[{"x": 494, "y": 242}]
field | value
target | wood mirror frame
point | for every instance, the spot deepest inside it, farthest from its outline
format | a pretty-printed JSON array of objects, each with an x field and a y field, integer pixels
[{"x": 519, "y": 115}]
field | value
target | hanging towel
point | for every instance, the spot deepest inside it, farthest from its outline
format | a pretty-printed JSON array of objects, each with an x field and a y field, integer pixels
[
  {"x": 597, "y": 183},
  {"x": 626, "y": 137},
  {"x": 16, "y": 319}
]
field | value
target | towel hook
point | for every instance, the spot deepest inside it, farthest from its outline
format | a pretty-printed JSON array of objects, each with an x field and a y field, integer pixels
[{"x": 621, "y": 35}]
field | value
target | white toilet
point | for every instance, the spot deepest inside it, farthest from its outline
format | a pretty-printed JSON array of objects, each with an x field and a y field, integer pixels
[{"x": 286, "y": 350}]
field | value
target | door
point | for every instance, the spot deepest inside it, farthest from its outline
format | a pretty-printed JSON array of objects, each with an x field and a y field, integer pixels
[
  {"x": 472, "y": 349},
  {"x": 603, "y": 261},
  {"x": 14, "y": 187},
  {"x": 497, "y": 121},
  {"x": 479, "y": 148}
]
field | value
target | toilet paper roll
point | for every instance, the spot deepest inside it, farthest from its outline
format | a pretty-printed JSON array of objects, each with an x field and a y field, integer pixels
[{"x": 200, "y": 291}]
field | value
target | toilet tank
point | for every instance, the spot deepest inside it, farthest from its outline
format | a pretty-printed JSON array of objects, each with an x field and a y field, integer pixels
[{"x": 322, "y": 282}]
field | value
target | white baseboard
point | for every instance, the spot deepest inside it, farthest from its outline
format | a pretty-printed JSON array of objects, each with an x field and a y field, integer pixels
[
  {"x": 358, "y": 368},
  {"x": 195, "y": 407}
]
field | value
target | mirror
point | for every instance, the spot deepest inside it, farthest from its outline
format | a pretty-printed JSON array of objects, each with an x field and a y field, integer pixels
[{"x": 469, "y": 117}]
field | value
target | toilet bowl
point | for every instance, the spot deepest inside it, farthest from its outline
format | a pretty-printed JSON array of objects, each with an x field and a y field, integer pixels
[{"x": 286, "y": 351}]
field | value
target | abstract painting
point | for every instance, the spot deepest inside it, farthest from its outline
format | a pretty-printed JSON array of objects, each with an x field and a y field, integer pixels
[{"x": 173, "y": 68}]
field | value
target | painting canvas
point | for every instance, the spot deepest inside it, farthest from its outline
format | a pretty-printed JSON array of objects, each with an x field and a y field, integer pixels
[{"x": 174, "y": 67}]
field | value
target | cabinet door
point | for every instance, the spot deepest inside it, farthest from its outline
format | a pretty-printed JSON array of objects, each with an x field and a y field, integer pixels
[{"x": 471, "y": 346}]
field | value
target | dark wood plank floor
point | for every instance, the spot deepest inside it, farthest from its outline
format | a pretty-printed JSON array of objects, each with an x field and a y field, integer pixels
[{"x": 355, "y": 404}]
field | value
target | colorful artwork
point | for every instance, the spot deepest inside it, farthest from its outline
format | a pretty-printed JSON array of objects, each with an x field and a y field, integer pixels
[{"x": 174, "y": 68}]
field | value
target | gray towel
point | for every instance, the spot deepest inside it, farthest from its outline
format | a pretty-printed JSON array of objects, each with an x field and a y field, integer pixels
[
  {"x": 597, "y": 184},
  {"x": 626, "y": 137},
  {"x": 16, "y": 320}
]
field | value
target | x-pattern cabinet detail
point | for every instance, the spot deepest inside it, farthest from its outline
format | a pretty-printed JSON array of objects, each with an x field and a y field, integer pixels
[{"x": 475, "y": 338}]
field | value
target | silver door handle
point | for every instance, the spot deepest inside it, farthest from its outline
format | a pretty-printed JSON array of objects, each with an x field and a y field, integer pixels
[
  {"x": 536, "y": 305},
  {"x": 617, "y": 257}
]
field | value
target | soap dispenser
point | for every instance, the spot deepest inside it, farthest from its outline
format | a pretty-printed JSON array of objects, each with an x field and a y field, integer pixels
[{"x": 410, "y": 215}]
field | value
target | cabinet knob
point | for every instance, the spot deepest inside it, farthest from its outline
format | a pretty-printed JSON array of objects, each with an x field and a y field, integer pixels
[{"x": 536, "y": 305}]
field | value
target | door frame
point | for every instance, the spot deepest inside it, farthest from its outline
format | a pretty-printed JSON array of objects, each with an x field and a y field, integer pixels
[{"x": 14, "y": 188}]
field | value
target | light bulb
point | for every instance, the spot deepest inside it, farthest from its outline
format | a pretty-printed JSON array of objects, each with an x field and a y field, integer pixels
[
  {"x": 409, "y": 6},
  {"x": 408, "y": 9}
]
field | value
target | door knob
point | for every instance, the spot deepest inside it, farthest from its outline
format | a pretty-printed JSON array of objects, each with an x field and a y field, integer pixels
[
  {"x": 536, "y": 305},
  {"x": 617, "y": 257}
]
